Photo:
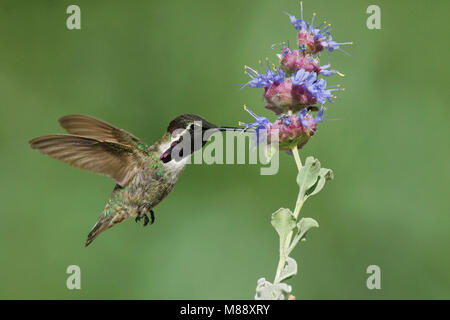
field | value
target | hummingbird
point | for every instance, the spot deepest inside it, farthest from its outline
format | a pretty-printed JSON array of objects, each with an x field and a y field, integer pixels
[{"x": 144, "y": 174}]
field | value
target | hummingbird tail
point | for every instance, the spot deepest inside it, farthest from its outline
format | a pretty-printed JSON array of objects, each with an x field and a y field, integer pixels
[
  {"x": 96, "y": 230},
  {"x": 105, "y": 221}
]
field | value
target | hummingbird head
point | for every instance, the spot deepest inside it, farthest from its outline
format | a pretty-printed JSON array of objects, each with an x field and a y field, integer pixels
[
  {"x": 188, "y": 121},
  {"x": 198, "y": 129},
  {"x": 182, "y": 127}
]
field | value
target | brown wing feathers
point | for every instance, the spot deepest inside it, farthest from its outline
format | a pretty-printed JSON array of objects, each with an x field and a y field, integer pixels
[
  {"x": 91, "y": 127},
  {"x": 107, "y": 150}
]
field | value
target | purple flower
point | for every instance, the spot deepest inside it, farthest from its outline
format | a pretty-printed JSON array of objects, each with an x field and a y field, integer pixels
[
  {"x": 261, "y": 80},
  {"x": 299, "y": 24},
  {"x": 302, "y": 77},
  {"x": 310, "y": 90},
  {"x": 319, "y": 116},
  {"x": 290, "y": 129},
  {"x": 324, "y": 70},
  {"x": 307, "y": 121},
  {"x": 295, "y": 85},
  {"x": 313, "y": 39},
  {"x": 332, "y": 45},
  {"x": 302, "y": 117},
  {"x": 260, "y": 125}
]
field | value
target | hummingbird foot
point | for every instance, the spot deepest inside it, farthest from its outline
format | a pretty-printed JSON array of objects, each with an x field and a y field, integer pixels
[
  {"x": 147, "y": 220},
  {"x": 151, "y": 220},
  {"x": 152, "y": 216},
  {"x": 139, "y": 218}
]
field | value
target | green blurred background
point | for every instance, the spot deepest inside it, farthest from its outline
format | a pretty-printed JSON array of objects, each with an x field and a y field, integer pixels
[{"x": 138, "y": 65}]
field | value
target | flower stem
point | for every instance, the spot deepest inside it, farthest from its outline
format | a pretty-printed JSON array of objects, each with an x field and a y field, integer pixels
[
  {"x": 297, "y": 157},
  {"x": 286, "y": 243}
]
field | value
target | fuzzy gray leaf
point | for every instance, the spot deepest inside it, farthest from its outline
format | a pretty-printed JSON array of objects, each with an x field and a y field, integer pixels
[
  {"x": 289, "y": 270},
  {"x": 307, "y": 177},
  {"x": 304, "y": 225},
  {"x": 266, "y": 290},
  {"x": 283, "y": 221},
  {"x": 324, "y": 175}
]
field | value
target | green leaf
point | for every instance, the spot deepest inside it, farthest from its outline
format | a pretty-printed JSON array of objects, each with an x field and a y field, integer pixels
[
  {"x": 289, "y": 270},
  {"x": 304, "y": 225},
  {"x": 311, "y": 178},
  {"x": 266, "y": 290},
  {"x": 283, "y": 221},
  {"x": 324, "y": 175},
  {"x": 307, "y": 176}
]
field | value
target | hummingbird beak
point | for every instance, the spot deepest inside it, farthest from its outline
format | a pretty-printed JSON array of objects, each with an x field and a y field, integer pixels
[
  {"x": 222, "y": 129},
  {"x": 232, "y": 129}
]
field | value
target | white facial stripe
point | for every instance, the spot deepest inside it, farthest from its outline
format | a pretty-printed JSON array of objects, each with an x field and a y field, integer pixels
[{"x": 176, "y": 135}]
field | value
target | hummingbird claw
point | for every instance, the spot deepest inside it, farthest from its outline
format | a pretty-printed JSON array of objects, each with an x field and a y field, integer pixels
[
  {"x": 151, "y": 220},
  {"x": 146, "y": 220},
  {"x": 152, "y": 216}
]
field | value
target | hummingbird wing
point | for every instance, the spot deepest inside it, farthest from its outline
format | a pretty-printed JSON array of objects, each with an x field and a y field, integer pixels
[
  {"x": 87, "y": 126},
  {"x": 118, "y": 161}
]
